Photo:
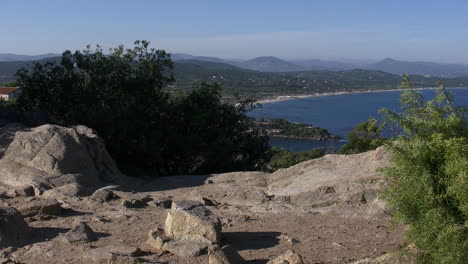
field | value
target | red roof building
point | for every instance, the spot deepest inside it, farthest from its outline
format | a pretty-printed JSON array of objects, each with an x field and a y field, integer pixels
[{"x": 7, "y": 93}]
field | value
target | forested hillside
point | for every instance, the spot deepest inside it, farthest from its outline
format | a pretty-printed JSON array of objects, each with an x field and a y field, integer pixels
[{"x": 255, "y": 84}]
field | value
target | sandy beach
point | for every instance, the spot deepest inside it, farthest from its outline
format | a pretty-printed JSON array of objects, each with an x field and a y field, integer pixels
[{"x": 281, "y": 98}]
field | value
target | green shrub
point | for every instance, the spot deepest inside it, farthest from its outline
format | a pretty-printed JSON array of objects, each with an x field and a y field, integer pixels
[
  {"x": 282, "y": 158},
  {"x": 11, "y": 84},
  {"x": 364, "y": 137},
  {"x": 428, "y": 178}
]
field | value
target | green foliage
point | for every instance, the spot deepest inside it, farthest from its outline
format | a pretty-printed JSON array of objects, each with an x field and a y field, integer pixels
[
  {"x": 207, "y": 135},
  {"x": 11, "y": 84},
  {"x": 7, "y": 104},
  {"x": 428, "y": 177},
  {"x": 295, "y": 130},
  {"x": 282, "y": 158},
  {"x": 147, "y": 129},
  {"x": 364, "y": 137}
]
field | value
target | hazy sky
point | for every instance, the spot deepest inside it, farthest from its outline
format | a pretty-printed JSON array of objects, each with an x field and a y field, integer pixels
[{"x": 328, "y": 29}]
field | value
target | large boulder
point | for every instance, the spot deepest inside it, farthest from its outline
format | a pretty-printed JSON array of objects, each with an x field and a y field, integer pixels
[
  {"x": 339, "y": 171},
  {"x": 344, "y": 184},
  {"x": 13, "y": 228},
  {"x": 192, "y": 219},
  {"x": 73, "y": 159},
  {"x": 191, "y": 230}
]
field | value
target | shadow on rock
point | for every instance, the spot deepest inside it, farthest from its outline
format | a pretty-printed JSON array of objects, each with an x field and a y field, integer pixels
[
  {"x": 172, "y": 182},
  {"x": 41, "y": 234},
  {"x": 7, "y": 134},
  {"x": 251, "y": 240},
  {"x": 259, "y": 261},
  {"x": 70, "y": 213}
]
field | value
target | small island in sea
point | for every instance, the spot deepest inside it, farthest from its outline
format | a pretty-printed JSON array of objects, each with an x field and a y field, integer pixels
[{"x": 282, "y": 128}]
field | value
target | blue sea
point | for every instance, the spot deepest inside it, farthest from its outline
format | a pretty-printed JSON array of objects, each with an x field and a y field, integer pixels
[{"x": 339, "y": 114}]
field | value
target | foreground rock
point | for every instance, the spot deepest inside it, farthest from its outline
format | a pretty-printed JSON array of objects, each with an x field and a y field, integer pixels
[
  {"x": 290, "y": 257},
  {"x": 390, "y": 258},
  {"x": 113, "y": 254},
  {"x": 72, "y": 161},
  {"x": 225, "y": 255},
  {"x": 11, "y": 192},
  {"x": 80, "y": 233},
  {"x": 192, "y": 219},
  {"x": 186, "y": 247},
  {"x": 191, "y": 230},
  {"x": 41, "y": 206},
  {"x": 102, "y": 195},
  {"x": 344, "y": 184},
  {"x": 13, "y": 228}
]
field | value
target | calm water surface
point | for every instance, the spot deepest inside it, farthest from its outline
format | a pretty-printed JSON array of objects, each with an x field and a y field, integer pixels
[{"x": 339, "y": 114}]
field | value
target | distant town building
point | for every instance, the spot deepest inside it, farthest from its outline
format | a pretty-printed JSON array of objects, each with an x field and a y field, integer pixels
[
  {"x": 7, "y": 93},
  {"x": 273, "y": 131}
]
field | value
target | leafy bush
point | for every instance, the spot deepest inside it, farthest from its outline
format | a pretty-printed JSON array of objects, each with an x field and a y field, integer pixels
[
  {"x": 364, "y": 137},
  {"x": 10, "y": 84},
  {"x": 281, "y": 158},
  {"x": 428, "y": 179},
  {"x": 147, "y": 130}
]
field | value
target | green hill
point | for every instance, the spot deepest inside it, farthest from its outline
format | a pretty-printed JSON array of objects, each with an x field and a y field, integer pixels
[{"x": 255, "y": 84}]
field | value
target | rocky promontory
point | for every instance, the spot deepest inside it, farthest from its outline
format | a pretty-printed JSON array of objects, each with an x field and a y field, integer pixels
[{"x": 282, "y": 128}]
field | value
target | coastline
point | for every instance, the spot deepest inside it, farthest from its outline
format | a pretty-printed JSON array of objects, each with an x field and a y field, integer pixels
[
  {"x": 331, "y": 138},
  {"x": 281, "y": 98}
]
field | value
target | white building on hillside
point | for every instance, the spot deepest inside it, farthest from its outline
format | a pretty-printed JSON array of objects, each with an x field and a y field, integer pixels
[{"x": 7, "y": 93}]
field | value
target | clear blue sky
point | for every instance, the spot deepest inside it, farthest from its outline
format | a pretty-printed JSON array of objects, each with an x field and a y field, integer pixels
[{"x": 327, "y": 29}]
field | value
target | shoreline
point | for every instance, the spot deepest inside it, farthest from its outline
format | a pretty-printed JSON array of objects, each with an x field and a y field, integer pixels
[
  {"x": 281, "y": 98},
  {"x": 332, "y": 138}
]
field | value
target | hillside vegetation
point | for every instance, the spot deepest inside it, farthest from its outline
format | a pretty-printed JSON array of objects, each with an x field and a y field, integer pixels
[
  {"x": 266, "y": 84},
  {"x": 279, "y": 127},
  {"x": 255, "y": 84}
]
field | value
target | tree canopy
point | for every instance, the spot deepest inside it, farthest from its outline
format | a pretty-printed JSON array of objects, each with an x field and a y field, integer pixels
[
  {"x": 364, "y": 137},
  {"x": 147, "y": 129}
]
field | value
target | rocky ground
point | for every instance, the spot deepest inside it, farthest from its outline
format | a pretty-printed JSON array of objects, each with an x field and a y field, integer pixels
[{"x": 325, "y": 210}]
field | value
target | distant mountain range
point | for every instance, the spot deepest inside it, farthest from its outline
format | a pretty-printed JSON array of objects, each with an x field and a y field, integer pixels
[
  {"x": 420, "y": 67},
  {"x": 325, "y": 65},
  {"x": 19, "y": 57},
  {"x": 246, "y": 78},
  {"x": 10, "y": 62},
  {"x": 274, "y": 64},
  {"x": 271, "y": 64},
  {"x": 9, "y": 68}
]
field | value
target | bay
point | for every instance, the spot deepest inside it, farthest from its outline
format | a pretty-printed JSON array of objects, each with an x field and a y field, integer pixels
[{"x": 339, "y": 114}]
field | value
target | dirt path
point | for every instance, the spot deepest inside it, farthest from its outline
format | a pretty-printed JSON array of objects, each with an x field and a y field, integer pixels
[{"x": 319, "y": 238}]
